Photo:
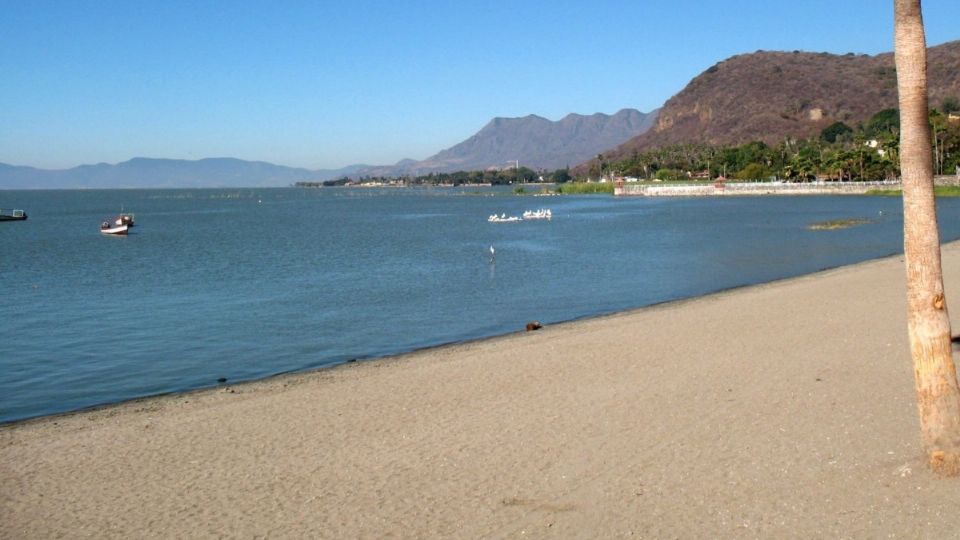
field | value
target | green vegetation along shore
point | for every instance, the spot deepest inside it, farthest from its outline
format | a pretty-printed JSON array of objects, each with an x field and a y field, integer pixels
[
  {"x": 939, "y": 191},
  {"x": 835, "y": 224}
]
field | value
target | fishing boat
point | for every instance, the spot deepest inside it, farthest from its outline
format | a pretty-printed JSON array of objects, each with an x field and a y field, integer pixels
[
  {"x": 538, "y": 214},
  {"x": 503, "y": 218},
  {"x": 112, "y": 228},
  {"x": 124, "y": 219},
  {"x": 12, "y": 215}
]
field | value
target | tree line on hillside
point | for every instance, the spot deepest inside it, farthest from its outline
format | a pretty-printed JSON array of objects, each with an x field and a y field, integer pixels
[{"x": 869, "y": 151}]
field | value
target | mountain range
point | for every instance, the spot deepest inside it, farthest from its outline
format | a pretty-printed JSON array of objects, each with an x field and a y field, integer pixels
[
  {"x": 533, "y": 141},
  {"x": 765, "y": 95},
  {"x": 165, "y": 173}
]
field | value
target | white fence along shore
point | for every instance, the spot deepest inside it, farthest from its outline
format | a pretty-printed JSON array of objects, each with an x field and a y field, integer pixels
[{"x": 751, "y": 188}]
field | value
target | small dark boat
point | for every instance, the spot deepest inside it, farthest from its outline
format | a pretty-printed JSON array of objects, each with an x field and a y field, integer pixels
[{"x": 12, "y": 215}]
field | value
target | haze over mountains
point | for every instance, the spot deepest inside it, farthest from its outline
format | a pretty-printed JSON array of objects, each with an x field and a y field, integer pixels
[
  {"x": 764, "y": 96},
  {"x": 535, "y": 142},
  {"x": 163, "y": 173}
]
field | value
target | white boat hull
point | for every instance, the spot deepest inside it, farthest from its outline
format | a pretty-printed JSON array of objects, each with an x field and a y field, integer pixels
[{"x": 115, "y": 229}]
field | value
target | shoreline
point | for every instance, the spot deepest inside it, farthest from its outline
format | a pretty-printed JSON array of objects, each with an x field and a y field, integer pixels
[
  {"x": 345, "y": 364},
  {"x": 470, "y": 299},
  {"x": 782, "y": 409}
]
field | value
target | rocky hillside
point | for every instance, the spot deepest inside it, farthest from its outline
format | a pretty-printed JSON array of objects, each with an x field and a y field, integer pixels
[
  {"x": 772, "y": 95},
  {"x": 534, "y": 141}
]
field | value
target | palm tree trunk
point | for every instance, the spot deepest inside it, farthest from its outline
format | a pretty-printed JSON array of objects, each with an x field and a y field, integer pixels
[{"x": 938, "y": 397}]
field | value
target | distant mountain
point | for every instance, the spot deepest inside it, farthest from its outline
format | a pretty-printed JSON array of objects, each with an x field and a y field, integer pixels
[
  {"x": 772, "y": 95},
  {"x": 534, "y": 141},
  {"x": 165, "y": 173}
]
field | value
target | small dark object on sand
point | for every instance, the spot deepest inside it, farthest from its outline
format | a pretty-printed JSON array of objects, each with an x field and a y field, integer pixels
[{"x": 535, "y": 325}]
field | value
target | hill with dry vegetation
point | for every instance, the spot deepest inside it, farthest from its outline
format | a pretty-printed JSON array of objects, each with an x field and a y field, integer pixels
[{"x": 769, "y": 96}]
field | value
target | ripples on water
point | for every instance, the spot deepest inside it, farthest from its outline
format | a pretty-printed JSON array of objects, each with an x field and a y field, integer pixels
[{"x": 245, "y": 284}]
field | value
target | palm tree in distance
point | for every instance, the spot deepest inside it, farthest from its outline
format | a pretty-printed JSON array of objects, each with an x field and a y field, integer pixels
[{"x": 938, "y": 397}]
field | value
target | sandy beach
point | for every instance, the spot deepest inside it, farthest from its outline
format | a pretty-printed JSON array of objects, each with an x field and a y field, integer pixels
[{"x": 781, "y": 411}]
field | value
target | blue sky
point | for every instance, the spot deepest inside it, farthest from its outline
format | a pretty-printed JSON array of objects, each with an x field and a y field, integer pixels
[{"x": 328, "y": 83}]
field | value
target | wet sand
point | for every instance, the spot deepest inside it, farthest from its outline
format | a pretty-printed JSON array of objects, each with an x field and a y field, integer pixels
[{"x": 784, "y": 410}]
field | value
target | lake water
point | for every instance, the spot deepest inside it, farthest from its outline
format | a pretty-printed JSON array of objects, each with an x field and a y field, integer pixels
[{"x": 245, "y": 284}]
